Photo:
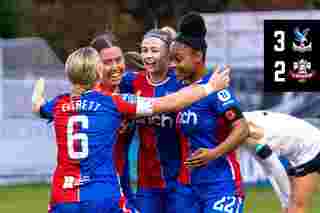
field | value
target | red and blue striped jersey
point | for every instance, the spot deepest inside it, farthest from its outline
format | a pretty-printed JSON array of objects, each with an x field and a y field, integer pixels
[
  {"x": 161, "y": 152},
  {"x": 86, "y": 131},
  {"x": 121, "y": 148},
  {"x": 203, "y": 126}
]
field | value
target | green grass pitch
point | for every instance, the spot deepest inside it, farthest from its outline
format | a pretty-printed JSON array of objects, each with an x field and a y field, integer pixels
[{"x": 34, "y": 198}]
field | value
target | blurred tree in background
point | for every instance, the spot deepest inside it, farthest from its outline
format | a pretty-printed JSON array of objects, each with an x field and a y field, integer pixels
[
  {"x": 313, "y": 3},
  {"x": 15, "y": 18},
  {"x": 8, "y": 19}
]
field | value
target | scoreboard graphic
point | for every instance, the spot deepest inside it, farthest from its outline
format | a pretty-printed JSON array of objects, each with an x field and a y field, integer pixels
[{"x": 291, "y": 55}]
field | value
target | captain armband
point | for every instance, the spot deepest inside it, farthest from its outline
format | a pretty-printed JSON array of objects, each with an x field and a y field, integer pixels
[{"x": 233, "y": 114}]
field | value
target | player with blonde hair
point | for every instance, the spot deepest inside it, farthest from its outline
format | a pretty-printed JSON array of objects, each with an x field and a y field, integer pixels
[{"x": 86, "y": 124}]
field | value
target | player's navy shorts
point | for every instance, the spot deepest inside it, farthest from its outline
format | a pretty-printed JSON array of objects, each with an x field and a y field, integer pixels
[
  {"x": 175, "y": 198},
  {"x": 225, "y": 204},
  {"x": 217, "y": 198},
  {"x": 102, "y": 206},
  {"x": 306, "y": 168}
]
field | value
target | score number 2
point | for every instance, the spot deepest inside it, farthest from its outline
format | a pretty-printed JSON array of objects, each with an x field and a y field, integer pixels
[{"x": 280, "y": 67}]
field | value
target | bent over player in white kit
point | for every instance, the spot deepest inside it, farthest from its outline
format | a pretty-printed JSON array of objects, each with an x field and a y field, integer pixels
[{"x": 294, "y": 139}]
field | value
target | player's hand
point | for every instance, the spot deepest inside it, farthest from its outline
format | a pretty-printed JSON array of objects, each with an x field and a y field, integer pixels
[
  {"x": 116, "y": 73},
  {"x": 38, "y": 95},
  {"x": 220, "y": 79},
  {"x": 201, "y": 157},
  {"x": 255, "y": 131},
  {"x": 124, "y": 126}
]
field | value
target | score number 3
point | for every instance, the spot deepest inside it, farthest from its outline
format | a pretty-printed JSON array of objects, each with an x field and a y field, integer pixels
[
  {"x": 280, "y": 45},
  {"x": 280, "y": 66}
]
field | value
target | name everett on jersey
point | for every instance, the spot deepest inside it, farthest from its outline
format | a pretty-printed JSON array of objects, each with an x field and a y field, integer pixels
[{"x": 80, "y": 106}]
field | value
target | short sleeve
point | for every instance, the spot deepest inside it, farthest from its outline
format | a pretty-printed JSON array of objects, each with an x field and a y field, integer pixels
[
  {"x": 46, "y": 110},
  {"x": 223, "y": 100}
]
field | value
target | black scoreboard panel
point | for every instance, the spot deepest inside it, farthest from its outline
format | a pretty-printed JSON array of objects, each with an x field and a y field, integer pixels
[{"x": 291, "y": 58}]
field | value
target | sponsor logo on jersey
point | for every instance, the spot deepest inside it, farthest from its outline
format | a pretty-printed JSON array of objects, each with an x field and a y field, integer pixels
[
  {"x": 161, "y": 120},
  {"x": 188, "y": 117}
]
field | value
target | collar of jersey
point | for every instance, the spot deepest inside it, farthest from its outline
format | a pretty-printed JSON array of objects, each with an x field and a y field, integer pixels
[
  {"x": 84, "y": 93},
  {"x": 88, "y": 91},
  {"x": 156, "y": 84}
]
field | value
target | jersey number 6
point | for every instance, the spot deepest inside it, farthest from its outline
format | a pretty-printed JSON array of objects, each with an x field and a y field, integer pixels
[{"x": 81, "y": 138}]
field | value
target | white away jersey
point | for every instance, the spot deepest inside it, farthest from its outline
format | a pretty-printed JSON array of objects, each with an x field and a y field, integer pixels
[{"x": 288, "y": 136}]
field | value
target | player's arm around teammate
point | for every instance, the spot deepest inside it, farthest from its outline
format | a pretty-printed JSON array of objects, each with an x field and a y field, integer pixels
[
  {"x": 213, "y": 160},
  {"x": 165, "y": 187},
  {"x": 148, "y": 106},
  {"x": 238, "y": 134},
  {"x": 83, "y": 69}
]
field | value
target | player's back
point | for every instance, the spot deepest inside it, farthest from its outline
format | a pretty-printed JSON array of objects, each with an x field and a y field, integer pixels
[
  {"x": 86, "y": 129},
  {"x": 289, "y": 136}
]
